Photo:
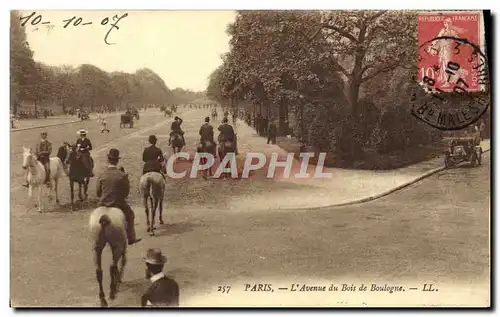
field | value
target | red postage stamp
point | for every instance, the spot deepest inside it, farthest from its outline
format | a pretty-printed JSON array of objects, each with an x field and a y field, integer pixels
[{"x": 449, "y": 44}]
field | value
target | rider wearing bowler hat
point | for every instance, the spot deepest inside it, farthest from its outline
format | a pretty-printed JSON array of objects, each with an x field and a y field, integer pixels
[
  {"x": 113, "y": 187},
  {"x": 164, "y": 291}
]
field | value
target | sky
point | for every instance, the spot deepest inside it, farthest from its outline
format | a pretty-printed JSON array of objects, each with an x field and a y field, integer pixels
[{"x": 182, "y": 47}]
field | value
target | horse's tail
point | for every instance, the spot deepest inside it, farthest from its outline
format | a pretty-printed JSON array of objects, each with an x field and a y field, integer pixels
[{"x": 104, "y": 220}]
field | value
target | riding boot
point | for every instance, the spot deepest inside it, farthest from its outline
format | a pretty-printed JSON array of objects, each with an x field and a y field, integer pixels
[
  {"x": 47, "y": 177},
  {"x": 129, "y": 216}
]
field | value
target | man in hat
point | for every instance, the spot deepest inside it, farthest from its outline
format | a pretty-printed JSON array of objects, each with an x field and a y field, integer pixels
[
  {"x": 84, "y": 146},
  {"x": 152, "y": 157},
  {"x": 42, "y": 152},
  {"x": 176, "y": 129},
  {"x": 207, "y": 131},
  {"x": 227, "y": 134},
  {"x": 164, "y": 291},
  {"x": 113, "y": 187}
]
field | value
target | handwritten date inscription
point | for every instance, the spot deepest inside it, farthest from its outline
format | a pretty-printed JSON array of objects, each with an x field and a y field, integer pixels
[{"x": 35, "y": 19}]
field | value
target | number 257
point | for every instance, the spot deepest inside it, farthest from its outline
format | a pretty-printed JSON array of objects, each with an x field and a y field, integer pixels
[{"x": 223, "y": 289}]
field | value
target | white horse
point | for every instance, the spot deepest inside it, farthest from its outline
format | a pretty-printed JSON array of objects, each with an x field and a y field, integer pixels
[{"x": 36, "y": 174}]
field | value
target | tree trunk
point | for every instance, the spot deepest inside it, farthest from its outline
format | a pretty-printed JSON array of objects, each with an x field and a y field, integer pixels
[
  {"x": 301, "y": 121},
  {"x": 283, "y": 114}
]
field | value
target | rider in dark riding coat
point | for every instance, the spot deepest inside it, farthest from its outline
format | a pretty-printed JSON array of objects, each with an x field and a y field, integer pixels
[
  {"x": 227, "y": 133},
  {"x": 176, "y": 129},
  {"x": 207, "y": 131},
  {"x": 152, "y": 157}
]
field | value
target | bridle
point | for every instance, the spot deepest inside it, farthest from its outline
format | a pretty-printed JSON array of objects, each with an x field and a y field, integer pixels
[{"x": 31, "y": 161}]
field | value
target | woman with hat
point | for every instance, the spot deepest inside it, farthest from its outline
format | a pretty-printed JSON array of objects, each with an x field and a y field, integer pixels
[
  {"x": 84, "y": 147},
  {"x": 176, "y": 129},
  {"x": 152, "y": 157},
  {"x": 164, "y": 291}
]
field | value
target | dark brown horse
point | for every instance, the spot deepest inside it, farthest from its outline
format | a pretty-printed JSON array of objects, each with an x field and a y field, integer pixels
[
  {"x": 207, "y": 147},
  {"x": 77, "y": 173},
  {"x": 226, "y": 147},
  {"x": 176, "y": 142}
]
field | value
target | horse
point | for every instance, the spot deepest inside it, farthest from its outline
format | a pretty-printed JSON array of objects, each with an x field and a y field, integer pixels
[
  {"x": 206, "y": 147},
  {"x": 37, "y": 173},
  {"x": 108, "y": 226},
  {"x": 77, "y": 172},
  {"x": 224, "y": 148},
  {"x": 176, "y": 142},
  {"x": 152, "y": 186},
  {"x": 168, "y": 113}
]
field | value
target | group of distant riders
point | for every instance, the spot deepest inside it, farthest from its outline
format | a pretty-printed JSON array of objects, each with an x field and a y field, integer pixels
[{"x": 152, "y": 158}]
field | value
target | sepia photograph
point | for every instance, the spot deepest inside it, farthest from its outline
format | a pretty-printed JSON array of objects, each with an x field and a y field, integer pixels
[{"x": 250, "y": 158}]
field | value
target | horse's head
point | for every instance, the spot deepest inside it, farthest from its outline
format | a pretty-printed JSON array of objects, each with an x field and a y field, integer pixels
[
  {"x": 27, "y": 158},
  {"x": 72, "y": 152}
]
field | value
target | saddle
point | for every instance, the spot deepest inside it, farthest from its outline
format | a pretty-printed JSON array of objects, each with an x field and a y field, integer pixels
[
  {"x": 175, "y": 136},
  {"x": 227, "y": 145},
  {"x": 87, "y": 162}
]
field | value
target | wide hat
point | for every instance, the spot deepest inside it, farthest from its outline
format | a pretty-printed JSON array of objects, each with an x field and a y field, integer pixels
[
  {"x": 155, "y": 257},
  {"x": 114, "y": 154},
  {"x": 82, "y": 131}
]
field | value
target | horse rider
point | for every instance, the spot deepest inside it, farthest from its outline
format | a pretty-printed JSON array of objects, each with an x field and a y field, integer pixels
[
  {"x": 42, "y": 152},
  {"x": 84, "y": 146},
  {"x": 176, "y": 129},
  {"x": 164, "y": 291},
  {"x": 62, "y": 153},
  {"x": 113, "y": 187},
  {"x": 207, "y": 132},
  {"x": 227, "y": 134},
  {"x": 152, "y": 158}
]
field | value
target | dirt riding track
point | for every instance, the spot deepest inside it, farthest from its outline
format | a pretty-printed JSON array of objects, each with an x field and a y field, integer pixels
[{"x": 435, "y": 231}]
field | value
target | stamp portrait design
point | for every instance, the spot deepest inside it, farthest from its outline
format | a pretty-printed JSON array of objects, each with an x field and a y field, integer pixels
[{"x": 452, "y": 66}]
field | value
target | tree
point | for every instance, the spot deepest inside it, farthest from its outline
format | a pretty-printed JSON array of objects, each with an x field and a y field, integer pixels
[
  {"x": 366, "y": 44},
  {"x": 22, "y": 65}
]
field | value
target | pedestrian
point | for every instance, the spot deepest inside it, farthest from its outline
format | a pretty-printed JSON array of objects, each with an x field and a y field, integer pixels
[
  {"x": 271, "y": 132},
  {"x": 164, "y": 291},
  {"x": 104, "y": 126}
]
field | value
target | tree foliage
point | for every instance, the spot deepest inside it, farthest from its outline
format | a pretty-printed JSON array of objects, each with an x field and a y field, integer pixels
[
  {"x": 22, "y": 66},
  {"x": 85, "y": 86},
  {"x": 340, "y": 75}
]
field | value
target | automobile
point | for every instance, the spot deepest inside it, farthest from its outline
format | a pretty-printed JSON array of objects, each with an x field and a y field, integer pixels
[
  {"x": 464, "y": 147},
  {"x": 84, "y": 116}
]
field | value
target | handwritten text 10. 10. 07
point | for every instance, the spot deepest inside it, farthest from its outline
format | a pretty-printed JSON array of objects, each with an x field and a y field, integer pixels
[{"x": 35, "y": 19}]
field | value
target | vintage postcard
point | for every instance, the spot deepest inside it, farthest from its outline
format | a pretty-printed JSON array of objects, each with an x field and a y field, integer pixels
[{"x": 250, "y": 158}]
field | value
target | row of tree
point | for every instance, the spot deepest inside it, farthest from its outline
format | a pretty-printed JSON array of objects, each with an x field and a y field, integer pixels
[
  {"x": 341, "y": 79},
  {"x": 85, "y": 86}
]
